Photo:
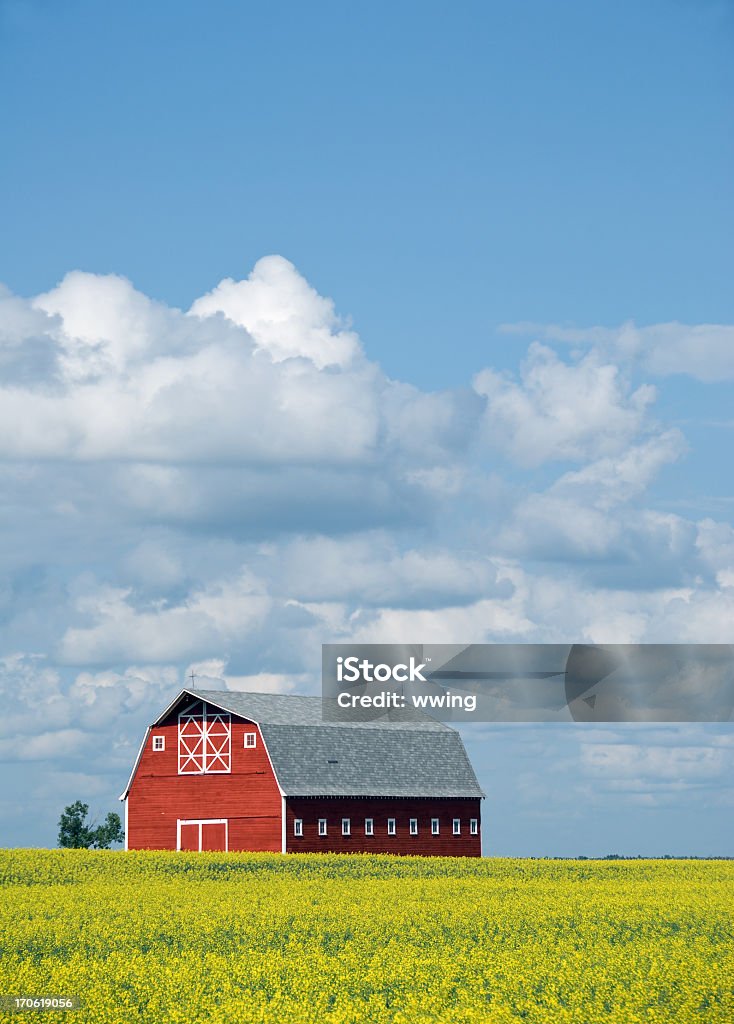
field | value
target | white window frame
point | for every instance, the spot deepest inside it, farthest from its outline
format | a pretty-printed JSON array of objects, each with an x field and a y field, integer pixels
[
  {"x": 323, "y": 827},
  {"x": 159, "y": 744},
  {"x": 298, "y": 827},
  {"x": 346, "y": 826},
  {"x": 391, "y": 829},
  {"x": 473, "y": 826},
  {"x": 435, "y": 826},
  {"x": 200, "y": 822},
  {"x": 250, "y": 740},
  {"x": 369, "y": 826},
  {"x": 456, "y": 826},
  {"x": 413, "y": 826}
]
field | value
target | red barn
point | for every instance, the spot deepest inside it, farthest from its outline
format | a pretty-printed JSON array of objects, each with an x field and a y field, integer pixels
[{"x": 251, "y": 771}]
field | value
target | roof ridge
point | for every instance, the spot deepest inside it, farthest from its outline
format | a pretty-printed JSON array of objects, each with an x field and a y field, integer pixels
[
  {"x": 404, "y": 719},
  {"x": 259, "y": 693}
]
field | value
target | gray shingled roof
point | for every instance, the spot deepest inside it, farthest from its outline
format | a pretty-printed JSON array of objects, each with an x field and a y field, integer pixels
[{"x": 400, "y": 757}]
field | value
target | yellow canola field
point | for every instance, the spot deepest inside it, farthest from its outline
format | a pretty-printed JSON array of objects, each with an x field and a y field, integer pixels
[{"x": 175, "y": 937}]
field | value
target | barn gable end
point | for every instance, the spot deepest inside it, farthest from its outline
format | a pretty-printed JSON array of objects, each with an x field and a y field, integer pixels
[{"x": 212, "y": 776}]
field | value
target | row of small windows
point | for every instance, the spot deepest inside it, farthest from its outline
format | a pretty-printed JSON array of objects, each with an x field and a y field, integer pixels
[
  {"x": 159, "y": 742},
  {"x": 369, "y": 826}
]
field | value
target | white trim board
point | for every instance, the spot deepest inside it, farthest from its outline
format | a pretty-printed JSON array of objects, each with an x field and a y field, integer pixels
[{"x": 200, "y": 822}]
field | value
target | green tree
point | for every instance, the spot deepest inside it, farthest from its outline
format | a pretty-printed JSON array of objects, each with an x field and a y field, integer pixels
[
  {"x": 109, "y": 832},
  {"x": 75, "y": 833},
  {"x": 73, "y": 829}
]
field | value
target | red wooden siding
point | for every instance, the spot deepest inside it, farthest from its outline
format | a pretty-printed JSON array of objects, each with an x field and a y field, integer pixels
[
  {"x": 248, "y": 797},
  {"x": 309, "y": 810}
]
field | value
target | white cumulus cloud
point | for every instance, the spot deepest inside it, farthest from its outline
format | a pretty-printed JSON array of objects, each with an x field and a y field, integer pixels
[
  {"x": 703, "y": 351},
  {"x": 283, "y": 313},
  {"x": 561, "y": 411}
]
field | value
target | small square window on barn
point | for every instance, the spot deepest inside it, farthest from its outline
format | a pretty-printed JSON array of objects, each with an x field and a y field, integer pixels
[
  {"x": 473, "y": 827},
  {"x": 457, "y": 826},
  {"x": 434, "y": 827},
  {"x": 159, "y": 743},
  {"x": 369, "y": 827},
  {"x": 250, "y": 739},
  {"x": 346, "y": 827},
  {"x": 298, "y": 826},
  {"x": 391, "y": 826},
  {"x": 322, "y": 827},
  {"x": 414, "y": 826}
]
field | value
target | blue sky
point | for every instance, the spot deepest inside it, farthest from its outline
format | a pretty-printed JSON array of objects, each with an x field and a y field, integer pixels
[{"x": 470, "y": 379}]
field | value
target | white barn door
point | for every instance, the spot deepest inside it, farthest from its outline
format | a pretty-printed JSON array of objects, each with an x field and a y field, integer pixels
[{"x": 202, "y": 834}]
